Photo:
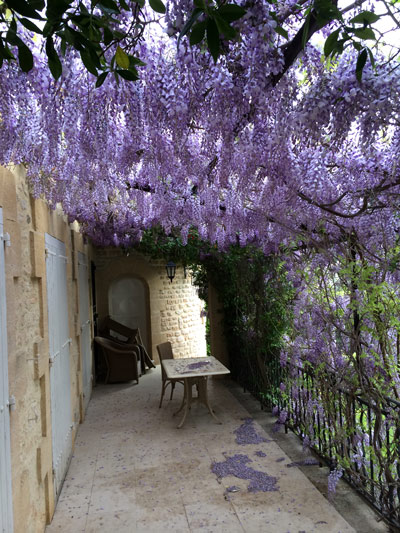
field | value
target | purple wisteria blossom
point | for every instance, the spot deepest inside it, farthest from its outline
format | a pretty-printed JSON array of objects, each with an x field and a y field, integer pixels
[{"x": 333, "y": 480}]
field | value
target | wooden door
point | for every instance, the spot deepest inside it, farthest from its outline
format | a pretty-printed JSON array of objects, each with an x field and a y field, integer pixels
[{"x": 59, "y": 344}]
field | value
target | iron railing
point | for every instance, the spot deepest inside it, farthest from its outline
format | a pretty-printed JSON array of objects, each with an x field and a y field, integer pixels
[{"x": 365, "y": 435}]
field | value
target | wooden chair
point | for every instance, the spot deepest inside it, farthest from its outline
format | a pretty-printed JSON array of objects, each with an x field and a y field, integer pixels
[
  {"x": 121, "y": 362},
  {"x": 165, "y": 352}
]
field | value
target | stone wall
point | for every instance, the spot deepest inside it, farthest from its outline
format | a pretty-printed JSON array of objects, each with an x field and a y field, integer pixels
[
  {"x": 174, "y": 309},
  {"x": 27, "y": 220},
  {"x": 174, "y": 314}
]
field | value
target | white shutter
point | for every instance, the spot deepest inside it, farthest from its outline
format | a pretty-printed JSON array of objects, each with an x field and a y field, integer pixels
[
  {"x": 84, "y": 319},
  {"x": 59, "y": 344},
  {"x": 6, "y": 517}
]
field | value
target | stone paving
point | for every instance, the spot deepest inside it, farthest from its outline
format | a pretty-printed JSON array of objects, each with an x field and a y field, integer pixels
[{"x": 134, "y": 471}]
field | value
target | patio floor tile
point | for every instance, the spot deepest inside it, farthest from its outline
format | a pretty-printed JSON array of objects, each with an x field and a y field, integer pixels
[{"x": 134, "y": 471}]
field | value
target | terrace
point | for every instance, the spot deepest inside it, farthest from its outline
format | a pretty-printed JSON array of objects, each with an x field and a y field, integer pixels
[{"x": 133, "y": 470}]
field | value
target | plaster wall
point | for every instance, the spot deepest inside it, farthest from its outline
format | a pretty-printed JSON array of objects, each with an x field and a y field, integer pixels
[
  {"x": 27, "y": 220},
  {"x": 174, "y": 309}
]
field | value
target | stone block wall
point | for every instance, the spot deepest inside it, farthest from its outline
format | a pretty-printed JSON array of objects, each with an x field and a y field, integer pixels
[
  {"x": 27, "y": 220},
  {"x": 174, "y": 309}
]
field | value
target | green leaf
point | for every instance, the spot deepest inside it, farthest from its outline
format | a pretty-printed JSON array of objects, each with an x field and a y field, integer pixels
[
  {"x": 87, "y": 60},
  {"x": 25, "y": 58},
  {"x": 94, "y": 34},
  {"x": 73, "y": 37},
  {"x": 361, "y": 60},
  {"x": 135, "y": 61},
  {"x": 48, "y": 29},
  {"x": 224, "y": 27},
  {"x": 11, "y": 35},
  {"x": 122, "y": 58},
  {"x": 326, "y": 10},
  {"x": 108, "y": 36},
  {"x": 63, "y": 46},
  {"x": 365, "y": 17},
  {"x": 199, "y": 4},
  {"x": 281, "y": 31},
  {"x": 56, "y": 9},
  {"x": 37, "y": 4},
  {"x": 108, "y": 6},
  {"x": 53, "y": 59},
  {"x": 331, "y": 43},
  {"x": 24, "y": 8},
  {"x": 306, "y": 28},
  {"x": 189, "y": 23},
  {"x": 231, "y": 12},
  {"x": 119, "y": 34},
  {"x": 83, "y": 8},
  {"x": 157, "y": 6},
  {"x": 371, "y": 57},
  {"x": 128, "y": 75},
  {"x": 100, "y": 79},
  {"x": 198, "y": 33},
  {"x": 365, "y": 33},
  {"x": 213, "y": 38},
  {"x": 141, "y": 4},
  {"x": 30, "y": 25},
  {"x": 5, "y": 52}
]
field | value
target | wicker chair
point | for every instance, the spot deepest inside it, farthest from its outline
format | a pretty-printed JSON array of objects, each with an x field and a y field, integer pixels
[
  {"x": 131, "y": 338},
  {"x": 121, "y": 362},
  {"x": 165, "y": 352}
]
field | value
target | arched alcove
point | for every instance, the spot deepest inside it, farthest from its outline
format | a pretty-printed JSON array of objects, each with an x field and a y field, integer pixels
[{"x": 128, "y": 304}]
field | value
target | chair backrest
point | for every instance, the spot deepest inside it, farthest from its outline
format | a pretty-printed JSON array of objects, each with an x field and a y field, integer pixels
[
  {"x": 109, "y": 325},
  {"x": 165, "y": 351}
]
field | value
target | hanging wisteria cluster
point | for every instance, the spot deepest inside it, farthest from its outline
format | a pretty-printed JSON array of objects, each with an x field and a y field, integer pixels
[{"x": 219, "y": 146}]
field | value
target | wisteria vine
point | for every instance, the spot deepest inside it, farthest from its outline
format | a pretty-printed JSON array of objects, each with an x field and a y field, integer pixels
[{"x": 298, "y": 158}]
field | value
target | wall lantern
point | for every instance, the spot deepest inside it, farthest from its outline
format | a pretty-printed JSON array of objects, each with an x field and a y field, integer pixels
[{"x": 171, "y": 269}]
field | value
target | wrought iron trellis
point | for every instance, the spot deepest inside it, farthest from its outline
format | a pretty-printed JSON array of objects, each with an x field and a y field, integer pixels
[{"x": 366, "y": 460}]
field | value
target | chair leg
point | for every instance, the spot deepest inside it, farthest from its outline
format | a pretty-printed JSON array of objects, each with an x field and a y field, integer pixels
[
  {"x": 172, "y": 389},
  {"x": 164, "y": 386}
]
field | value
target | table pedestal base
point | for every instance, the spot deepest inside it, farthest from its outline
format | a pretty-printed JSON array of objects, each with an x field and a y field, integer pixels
[{"x": 201, "y": 383}]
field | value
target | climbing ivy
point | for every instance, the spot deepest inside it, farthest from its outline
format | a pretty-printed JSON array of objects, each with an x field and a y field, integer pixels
[{"x": 255, "y": 296}]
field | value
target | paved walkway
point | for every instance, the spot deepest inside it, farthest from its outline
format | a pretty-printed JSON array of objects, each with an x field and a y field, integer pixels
[{"x": 134, "y": 471}]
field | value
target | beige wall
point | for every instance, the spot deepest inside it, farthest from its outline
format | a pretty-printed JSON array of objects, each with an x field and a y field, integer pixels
[
  {"x": 173, "y": 314},
  {"x": 174, "y": 308},
  {"x": 27, "y": 220}
]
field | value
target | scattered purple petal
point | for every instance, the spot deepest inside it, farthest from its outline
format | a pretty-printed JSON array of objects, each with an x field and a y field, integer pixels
[
  {"x": 237, "y": 466},
  {"x": 259, "y": 453},
  {"x": 195, "y": 366},
  {"x": 247, "y": 434},
  {"x": 280, "y": 459}
]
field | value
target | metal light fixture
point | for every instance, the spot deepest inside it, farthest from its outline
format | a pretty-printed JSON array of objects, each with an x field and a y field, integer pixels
[{"x": 171, "y": 269}]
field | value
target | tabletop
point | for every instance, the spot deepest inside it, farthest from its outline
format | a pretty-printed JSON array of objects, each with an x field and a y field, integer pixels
[{"x": 192, "y": 367}]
